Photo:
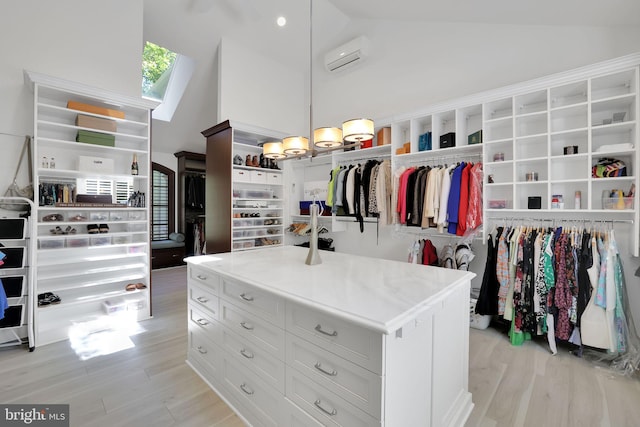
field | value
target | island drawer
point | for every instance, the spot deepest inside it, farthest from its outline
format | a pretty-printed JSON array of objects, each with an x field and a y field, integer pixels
[
  {"x": 263, "y": 304},
  {"x": 324, "y": 405},
  {"x": 202, "y": 297},
  {"x": 204, "y": 351},
  {"x": 205, "y": 321},
  {"x": 266, "y": 403},
  {"x": 210, "y": 280},
  {"x": 348, "y": 340},
  {"x": 256, "y": 330},
  {"x": 353, "y": 383},
  {"x": 263, "y": 363}
]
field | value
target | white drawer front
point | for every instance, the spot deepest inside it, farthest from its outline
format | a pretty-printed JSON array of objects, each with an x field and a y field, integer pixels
[
  {"x": 253, "y": 392},
  {"x": 205, "y": 321},
  {"x": 201, "y": 296},
  {"x": 324, "y": 405},
  {"x": 296, "y": 417},
  {"x": 255, "y": 301},
  {"x": 274, "y": 178},
  {"x": 210, "y": 280},
  {"x": 355, "y": 343},
  {"x": 205, "y": 352},
  {"x": 259, "y": 177},
  {"x": 241, "y": 175},
  {"x": 353, "y": 383},
  {"x": 263, "y": 363},
  {"x": 254, "y": 329}
]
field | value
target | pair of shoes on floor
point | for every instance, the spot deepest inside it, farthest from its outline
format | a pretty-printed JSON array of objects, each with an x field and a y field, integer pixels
[
  {"x": 48, "y": 298},
  {"x": 95, "y": 228},
  {"x": 134, "y": 286}
]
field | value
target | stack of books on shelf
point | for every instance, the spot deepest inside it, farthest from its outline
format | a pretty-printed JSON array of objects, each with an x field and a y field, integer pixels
[{"x": 98, "y": 123}]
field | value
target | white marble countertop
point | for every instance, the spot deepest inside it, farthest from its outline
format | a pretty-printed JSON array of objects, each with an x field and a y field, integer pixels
[{"x": 379, "y": 294}]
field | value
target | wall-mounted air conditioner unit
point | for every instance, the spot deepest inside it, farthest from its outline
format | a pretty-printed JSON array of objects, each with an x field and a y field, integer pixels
[{"x": 347, "y": 55}]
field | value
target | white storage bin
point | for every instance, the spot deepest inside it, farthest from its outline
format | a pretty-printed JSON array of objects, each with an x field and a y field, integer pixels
[
  {"x": 77, "y": 242},
  {"x": 100, "y": 241},
  {"x": 99, "y": 216},
  {"x": 118, "y": 216},
  {"x": 120, "y": 240},
  {"x": 137, "y": 216},
  {"x": 51, "y": 243}
]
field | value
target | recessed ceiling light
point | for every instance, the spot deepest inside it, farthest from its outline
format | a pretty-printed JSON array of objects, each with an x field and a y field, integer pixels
[{"x": 281, "y": 21}]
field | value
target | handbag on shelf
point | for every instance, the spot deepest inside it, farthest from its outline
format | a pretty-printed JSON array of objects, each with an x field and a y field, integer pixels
[{"x": 14, "y": 189}]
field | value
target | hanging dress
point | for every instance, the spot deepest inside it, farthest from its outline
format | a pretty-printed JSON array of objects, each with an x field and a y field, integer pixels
[
  {"x": 593, "y": 322},
  {"x": 488, "y": 298}
]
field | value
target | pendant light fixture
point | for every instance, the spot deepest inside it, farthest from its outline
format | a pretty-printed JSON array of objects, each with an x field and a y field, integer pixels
[
  {"x": 295, "y": 145},
  {"x": 273, "y": 150},
  {"x": 357, "y": 130},
  {"x": 325, "y": 139}
]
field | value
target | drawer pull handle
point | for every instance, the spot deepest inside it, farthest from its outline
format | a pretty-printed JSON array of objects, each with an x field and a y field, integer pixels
[
  {"x": 245, "y": 297},
  {"x": 332, "y": 412},
  {"x": 203, "y": 300},
  {"x": 322, "y": 331},
  {"x": 202, "y": 350},
  {"x": 247, "y": 326},
  {"x": 246, "y": 389},
  {"x": 246, "y": 354},
  {"x": 319, "y": 367},
  {"x": 201, "y": 277},
  {"x": 202, "y": 322}
]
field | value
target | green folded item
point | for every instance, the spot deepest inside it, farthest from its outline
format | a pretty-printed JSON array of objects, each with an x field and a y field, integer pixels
[{"x": 97, "y": 138}]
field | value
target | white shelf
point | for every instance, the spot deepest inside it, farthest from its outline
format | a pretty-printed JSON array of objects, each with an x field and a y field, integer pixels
[{"x": 84, "y": 275}]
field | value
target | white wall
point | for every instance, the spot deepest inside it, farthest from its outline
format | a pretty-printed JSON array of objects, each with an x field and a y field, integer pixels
[
  {"x": 413, "y": 65},
  {"x": 257, "y": 90},
  {"x": 94, "y": 43}
]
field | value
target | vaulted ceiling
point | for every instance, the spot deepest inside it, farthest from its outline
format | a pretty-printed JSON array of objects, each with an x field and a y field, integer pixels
[{"x": 195, "y": 27}]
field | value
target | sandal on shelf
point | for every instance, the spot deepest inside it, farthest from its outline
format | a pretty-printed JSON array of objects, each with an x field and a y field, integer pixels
[
  {"x": 104, "y": 228},
  {"x": 52, "y": 217}
]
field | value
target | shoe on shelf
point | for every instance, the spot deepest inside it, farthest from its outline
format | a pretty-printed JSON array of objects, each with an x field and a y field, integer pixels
[
  {"x": 141, "y": 285},
  {"x": 53, "y": 217},
  {"x": 93, "y": 228},
  {"x": 103, "y": 228},
  {"x": 78, "y": 218},
  {"x": 130, "y": 287},
  {"x": 48, "y": 298}
]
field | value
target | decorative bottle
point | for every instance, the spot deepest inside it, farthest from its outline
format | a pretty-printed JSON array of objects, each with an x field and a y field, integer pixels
[{"x": 134, "y": 165}]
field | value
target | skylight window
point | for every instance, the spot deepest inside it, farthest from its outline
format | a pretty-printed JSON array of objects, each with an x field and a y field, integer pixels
[{"x": 165, "y": 75}]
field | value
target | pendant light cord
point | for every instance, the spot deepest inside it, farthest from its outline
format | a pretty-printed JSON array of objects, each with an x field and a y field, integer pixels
[{"x": 311, "y": 142}]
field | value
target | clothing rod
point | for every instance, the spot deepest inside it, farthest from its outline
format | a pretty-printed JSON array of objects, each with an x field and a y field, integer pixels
[
  {"x": 618, "y": 221},
  {"x": 357, "y": 159},
  {"x": 443, "y": 159},
  {"x": 432, "y": 233}
]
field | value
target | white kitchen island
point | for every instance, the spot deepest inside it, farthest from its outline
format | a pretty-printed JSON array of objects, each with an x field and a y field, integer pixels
[{"x": 354, "y": 341}]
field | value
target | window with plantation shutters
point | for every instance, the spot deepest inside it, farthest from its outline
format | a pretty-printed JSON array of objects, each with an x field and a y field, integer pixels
[
  {"x": 162, "y": 202},
  {"x": 121, "y": 189}
]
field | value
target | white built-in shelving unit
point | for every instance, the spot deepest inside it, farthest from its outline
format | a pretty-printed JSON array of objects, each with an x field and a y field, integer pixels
[{"x": 88, "y": 271}]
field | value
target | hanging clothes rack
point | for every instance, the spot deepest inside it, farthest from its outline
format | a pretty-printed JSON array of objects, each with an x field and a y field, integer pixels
[{"x": 352, "y": 160}]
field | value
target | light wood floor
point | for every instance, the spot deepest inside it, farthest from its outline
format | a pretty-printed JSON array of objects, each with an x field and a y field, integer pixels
[{"x": 150, "y": 384}]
